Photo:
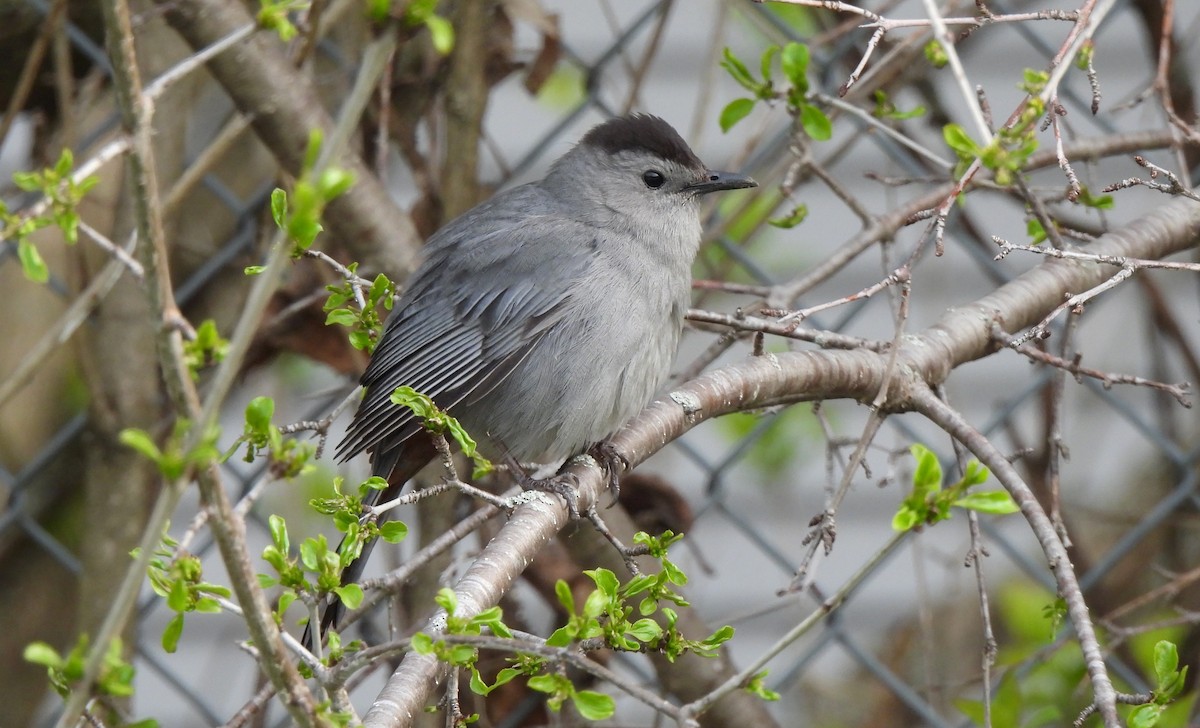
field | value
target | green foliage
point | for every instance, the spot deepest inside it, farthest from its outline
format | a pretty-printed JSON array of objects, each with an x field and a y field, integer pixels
[
  {"x": 316, "y": 568},
  {"x": 793, "y": 62},
  {"x": 559, "y": 688},
  {"x": 286, "y": 457},
  {"x": 176, "y": 576},
  {"x": 438, "y": 422},
  {"x": 317, "y": 558},
  {"x": 936, "y": 54},
  {"x": 1168, "y": 688},
  {"x": 1099, "y": 202},
  {"x": 300, "y": 215},
  {"x": 1035, "y": 231},
  {"x": 1087, "y": 51},
  {"x": 607, "y": 612},
  {"x": 929, "y": 502},
  {"x": 441, "y": 32},
  {"x": 1045, "y": 691},
  {"x": 273, "y": 16},
  {"x": 565, "y": 87},
  {"x": 758, "y": 686},
  {"x": 115, "y": 679},
  {"x": 171, "y": 460},
  {"x": 365, "y": 324},
  {"x": 790, "y": 220},
  {"x": 777, "y": 441},
  {"x": 207, "y": 349},
  {"x": 1009, "y": 151},
  {"x": 885, "y": 109},
  {"x": 607, "y": 615},
  {"x": 64, "y": 195}
]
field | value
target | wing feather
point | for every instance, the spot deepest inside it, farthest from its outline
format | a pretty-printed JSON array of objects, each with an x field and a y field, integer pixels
[{"x": 470, "y": 314}]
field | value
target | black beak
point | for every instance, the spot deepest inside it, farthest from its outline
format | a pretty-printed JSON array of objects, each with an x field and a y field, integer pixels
[{"x": 716, "y": 181}]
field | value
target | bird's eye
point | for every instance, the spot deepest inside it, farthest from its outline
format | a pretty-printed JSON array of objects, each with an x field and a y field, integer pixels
[{"x": 653, "y": 179}]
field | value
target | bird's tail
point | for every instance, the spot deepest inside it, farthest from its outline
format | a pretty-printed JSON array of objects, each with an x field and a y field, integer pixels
[{"x": 398, "y": 467}]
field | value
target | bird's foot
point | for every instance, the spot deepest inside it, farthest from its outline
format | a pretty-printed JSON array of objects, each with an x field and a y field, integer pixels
[
  {"x": 614, "y": 463},
  {"x": 563, "y": 484}
]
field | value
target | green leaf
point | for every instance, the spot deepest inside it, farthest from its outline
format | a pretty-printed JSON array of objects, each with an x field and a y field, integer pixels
[
  {"x": 928, "y": 475},
  {"x": 606, "y": 581},
  {"x": 350, "y": 594},
  {"x": 279, "y": 534},
  {"x": 374, "y": 483},
  {"x": 259, "y": 413},
  {"x": 341, "y": 316},
  {"x": 905, "y": 519},
  {"x": 815, "y": 123},
  {"x": 505, "y": 676},
  {"x": 171, "y": 635},
  {"x": 66, "y": 160},
  {"x": 543, "y": 683},
  {"x": 253, "y": 270},
  {"x": 758, "y": 686},
  {"x": 441, "y": 32},
  {"x": 645, "y": 629},
  {"x": 69, "y": 223},
  {"x": 1035, "y": 231},
  {"x": 1146, "y": 716},
  {"x": 561, "y": 637},
  {"x": 27, "y": 181},
  {"x": 738, "y": 70},
  {"x": 422, "y": 643},
  {"x": 790, "y": 220},
  {"x": 477, "y": 685},
  {"x": 957, "y": 139},
  {"x": 40, "y": 653},
  {"x": 734, "y": 112},
  {"x": 1166, "y": 661},
  {"x": 31, "y": 261},
  {"x": 998, "y": 502},
  {"x": 421, "y": 405},
  {"x": 179, "y": 598},
  {"x": 1099, "y": 202},
  {"x": 207, "y": 605},
  {"x": 794, "y": 59},
  {"x": 447, "y": 599},
  {"x": 593, "y": 705},
  {"x": 334, "y": 182},
  {"x": 886, "y": 109},
  {"x": 976, "y": 474},
  {"x": 279, "y": 208},
  {"x": 393, "y": 531},
  {"x": 140, "y": 441},
  {"x": 765, "y": 62},
  {"x": 562, "y": 590},
  {"x": 936, "y": 54},
  {"x": 308, "y": 554}
]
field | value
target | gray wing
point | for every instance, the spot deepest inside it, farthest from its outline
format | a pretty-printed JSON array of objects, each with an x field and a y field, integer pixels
[{"x": 490, "y": 287}]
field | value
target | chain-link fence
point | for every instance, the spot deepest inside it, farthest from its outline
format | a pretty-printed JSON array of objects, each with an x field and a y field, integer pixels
[{"x": 895, "y": 635}]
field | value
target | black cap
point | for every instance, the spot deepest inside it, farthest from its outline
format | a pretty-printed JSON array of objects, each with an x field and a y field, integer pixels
[{"x": 642, "y": 132}]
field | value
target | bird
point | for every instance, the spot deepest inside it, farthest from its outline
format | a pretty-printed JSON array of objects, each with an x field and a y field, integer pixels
[{"x": 545, "y": 317}]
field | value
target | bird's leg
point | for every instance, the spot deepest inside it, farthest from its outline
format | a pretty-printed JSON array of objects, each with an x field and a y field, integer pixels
[
  {"x": 563, "y": 484},
  {"x": 613, "y": 462}
]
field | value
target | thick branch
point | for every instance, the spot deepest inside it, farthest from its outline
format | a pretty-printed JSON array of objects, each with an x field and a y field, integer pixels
[{"x": 284, "y": 108}]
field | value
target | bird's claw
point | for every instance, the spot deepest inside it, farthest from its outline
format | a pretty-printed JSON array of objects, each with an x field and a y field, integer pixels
[
  {"x": 564, "y": 485},
  {"x": 614, "y": 463}
]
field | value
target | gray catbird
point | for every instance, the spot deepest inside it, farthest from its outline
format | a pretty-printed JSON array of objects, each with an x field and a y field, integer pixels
[{"x": 546, "y": 317}]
